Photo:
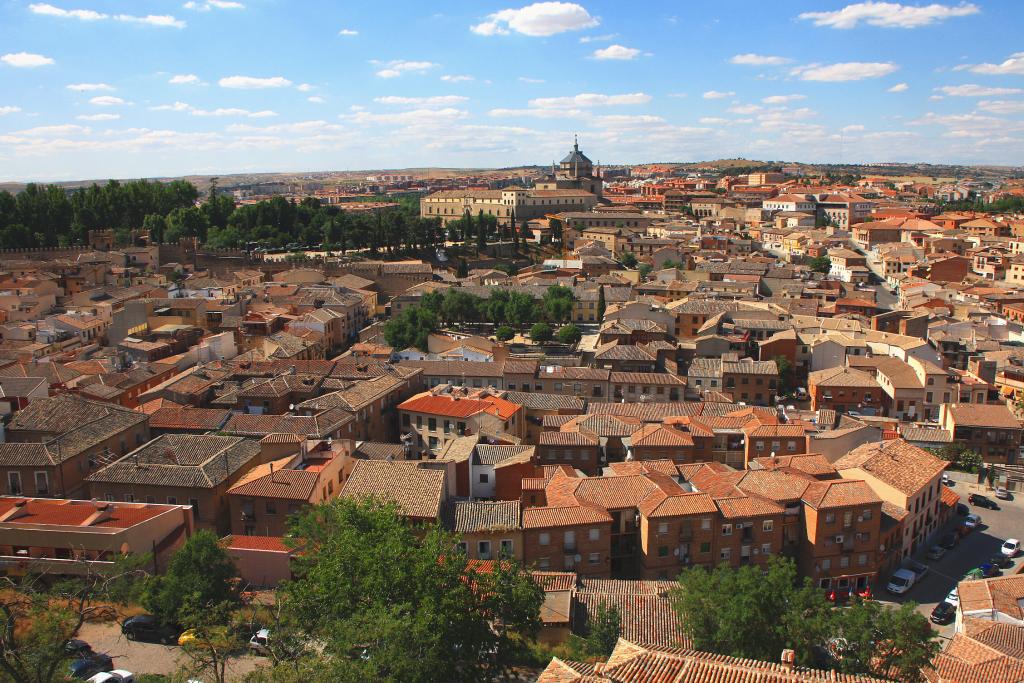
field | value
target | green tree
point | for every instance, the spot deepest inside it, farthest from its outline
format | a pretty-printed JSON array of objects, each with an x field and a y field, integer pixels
[
  {"x": 540, "y": 332},
  {"x": 557, "y": 303},
  {"x": 600, "y": 303},
  {"x": 200, "y": 576},
  {"x": 370, "y": 583},
  {"x": 960, "y": 456},
  {"x": 461, "y": 269},
  {"x": 504, "y": 333},
  {"x": 644, "y": 269},
  {"x": 459, "y": 306},
  {"x": 820, "y": 264},
  {"x": 748, "y": 612},
  {"x": 569, "y": 334},
  {"x": 785, "y": 368},
  {"x": 876, "y": 639},
  {"x": 520, "y": 308},
  {"x": 156, "y": 225},
  {"x": 628, "y": 259},
  {"x": 604, "y": 627},
  {"x": 411, "y": 328}
]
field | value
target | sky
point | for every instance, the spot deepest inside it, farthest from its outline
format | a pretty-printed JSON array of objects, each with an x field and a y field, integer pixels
[{"x": 151, "y": 88}]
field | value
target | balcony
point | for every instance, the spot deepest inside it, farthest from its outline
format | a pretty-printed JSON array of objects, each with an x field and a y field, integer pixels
[{"x": 685, "y": 535}]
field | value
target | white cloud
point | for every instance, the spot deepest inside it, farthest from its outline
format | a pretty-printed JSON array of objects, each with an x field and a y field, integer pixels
[
  {"x": 751, "y": 59},
  {"x": 744, "y": 109},
  {"x": 783, "y": 99},
  {"x": 598, "y": 39},
  {"x": 396, "y": 68},
  {"x": 456, "y": 78},
  {"x": 98, "y": 117},
  {"x": 844, "y": 71},
  {"x": 538, "y": 113},
  {"x": 62, "y": 129},
  {"x": 8, "y": 109},
  {"x": 1014, "y": 65},
  {"x": 253, "y": 82},
  {"x": 973, "y": 90},
  {"x": 107, "y": 101},
  {"x": 184, "y": 79},
  {"x": 717, "y": 95},
  {"x": 212, "y": 4},
  {"x": 304, "y": 87},
  {"x": 527, "y": 79},
  {"x": 713, "y": 120},
  {"x": 177, "y": 106},
  {"x": 414, "y": 117},
  {"x": 1009, "y": 107},
  {"x": 86, "y": 87},
  {"x": 348, "y": 32},
  {"x": 889, "y": 14},
  {"x": 852, "y": 128},
  {"x": 232, "y": 111},
  {"x": 435, "y": 101},
  {"x": 92, "y": 15},
  {"x": 539, "y": 19},
  {"x": 25, "y": 60},
  {"x": 315, "y": 99},
  {"x": 162, "y": 20},
  {"x": 591, "y": 100},
  {"x": 619, "y": 52},
  {"x": 899, "y": 87},
  {"x": 51, "y": 11}
]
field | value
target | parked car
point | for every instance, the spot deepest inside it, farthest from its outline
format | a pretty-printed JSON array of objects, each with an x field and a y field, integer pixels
[
  {"x": 982, "y": 501},
  {"x": 1001, "y": 561},
  {"x": 1002, "y": 493},
  {"x": 936, "y": 552},
  {"x": 949, "y": 541},
  {"x": 115, "y": 676},
  {"x": 905, "y": 577},
  {"x": 259, "y": 642},
  {"x": 90, "y": 664},
  {"x": 972, "y": 521},
  {"x": 953, "y": 597},
  {"x": 946, "y": 480},
  {"x": 988, "y": 570},
  {"x": 77, "y": 647},
  {"x": 148, "y": 628},
  {"x": 1011, "y": 547},
  {"x": 962, "y": 509},
  {"x": 944, "y": 613}
]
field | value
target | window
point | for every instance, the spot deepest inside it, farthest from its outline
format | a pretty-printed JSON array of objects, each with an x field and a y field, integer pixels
[
  {"x": 767, "y": 525},
  {"x": 663, "y": 551},
  {"x": 543, "y": 563},
  {"x": 194, "y": 502},
  {"x": 826, "y": 564},
  {"x": 766, "y": 548},
  {"x": 129, "y": 498},
  {"x": 14, "y": 482},
  {"x": 483, "y": 478},
  {"x": 172, "y": 500},
  {"x": 726, "y": 554},
  {"x": 42, "y": 483},
  {"x": 507, "y": 549},
  {"x": 569, "y": 540},
  {"x": 544, "y": 539},
  {"x": 705, "y": 547},
  {"x": 727, "y": 529},
  {"x": 705, "y": 523},
  {"x": 594, "y": 558},
  {"x": 844, "y": 561},
  {"x": 862, "y": 560},
  {"x": 271, "y": 507},
  {"x": 483, "y": 550},
  {"x": 663, "y": 528},
  {"x": 432, "y": 423},
  {"x": 830, "y": 518},
  {"x": 595, "y": 534}
]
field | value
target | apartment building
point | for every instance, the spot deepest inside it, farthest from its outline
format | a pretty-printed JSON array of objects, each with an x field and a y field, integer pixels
[
  {"x": 444, "y": 413},
  {"x": 991, "y": 431}
]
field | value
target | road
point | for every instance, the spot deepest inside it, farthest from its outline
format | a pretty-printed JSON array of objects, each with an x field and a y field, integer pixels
[
  {"x": 974, "y": 549},
  {"x": 150, "y": 658}
]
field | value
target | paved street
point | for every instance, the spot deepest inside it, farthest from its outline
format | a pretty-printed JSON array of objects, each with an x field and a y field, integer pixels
[
  {"x": 974, "y": 549},
  {"x": 149, "y": 658}
]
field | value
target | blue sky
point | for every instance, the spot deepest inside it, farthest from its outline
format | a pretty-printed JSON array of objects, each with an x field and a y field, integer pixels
[{"x": 97, "y": 89}]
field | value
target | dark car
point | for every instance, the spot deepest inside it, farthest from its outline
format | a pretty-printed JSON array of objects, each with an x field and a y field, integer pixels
[
  {"x": 982, "y": 502},
  {"x": 1001, "y": 561},
  {"x": 89, "y": 665},
  {"x": 944, "y": 613},
  {"x": 962, "y": 509},
  {"x": 78, "y": 648},
  {"x": 989, "y": 570},
  {"x": 949, "y": 541},
  {"x": 148, "y": 628}
]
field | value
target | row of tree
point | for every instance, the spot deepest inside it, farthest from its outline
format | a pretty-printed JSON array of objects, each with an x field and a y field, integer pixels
[{"x": 453, "y": 306}]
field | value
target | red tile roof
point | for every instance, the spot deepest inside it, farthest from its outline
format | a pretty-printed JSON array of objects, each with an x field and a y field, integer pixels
[{"x": 450, "y": 406}]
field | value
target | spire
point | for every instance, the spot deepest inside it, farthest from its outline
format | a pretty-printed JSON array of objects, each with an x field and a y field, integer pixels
[{"x": 575, "y": 142}]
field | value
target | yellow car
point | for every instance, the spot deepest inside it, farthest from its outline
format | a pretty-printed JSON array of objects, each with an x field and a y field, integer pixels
[{"x": 187, "y": 637}]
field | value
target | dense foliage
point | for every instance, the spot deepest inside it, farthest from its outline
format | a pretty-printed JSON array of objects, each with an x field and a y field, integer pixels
[
  {"x": 508, "y": 309},
  {"x": 749, "y": 612},
  {"x": 49, "y": 216},
  {"x": 391, "y": 602}
]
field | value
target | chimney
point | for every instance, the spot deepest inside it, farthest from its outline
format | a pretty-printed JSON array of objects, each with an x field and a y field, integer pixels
[
  {"x": 16, "y": 511},
  {"x": 788, "y": 660},
  {"x": 272, "y": 470}
]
